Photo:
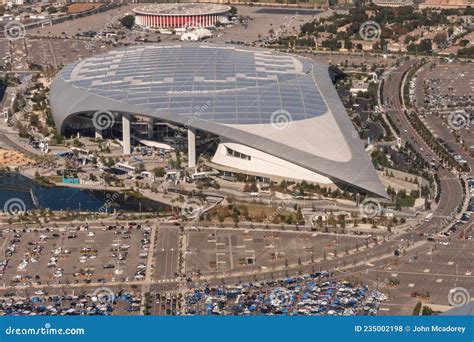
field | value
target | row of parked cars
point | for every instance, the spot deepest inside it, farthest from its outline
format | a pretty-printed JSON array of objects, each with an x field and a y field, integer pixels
[
  {"x": 40, "y": 303},
  {"x": 315, "y": 294},
  {"x": 452, "y": 152}
]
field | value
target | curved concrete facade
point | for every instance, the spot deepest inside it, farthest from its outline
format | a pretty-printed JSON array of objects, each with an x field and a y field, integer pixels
[{"x": 282, "y": 105}]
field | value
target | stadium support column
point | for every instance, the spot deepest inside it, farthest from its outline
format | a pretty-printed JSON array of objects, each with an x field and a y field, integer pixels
[
  {"x": 98, "y": 133},
  {"x": 126, "y": 134},
  {"x": 191, "y": 147},
  {"x": 150, "y": 128}
]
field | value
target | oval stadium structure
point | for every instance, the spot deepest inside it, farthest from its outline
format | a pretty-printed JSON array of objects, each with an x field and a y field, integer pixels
[
  {"x": 277, "y": 116},
  {"x": 173, "y": 16}
]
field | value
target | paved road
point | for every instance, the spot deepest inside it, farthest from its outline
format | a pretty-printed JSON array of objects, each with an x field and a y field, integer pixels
[
  {"x": 167, "y": 253},
  {"x": 451, "y": 192}
]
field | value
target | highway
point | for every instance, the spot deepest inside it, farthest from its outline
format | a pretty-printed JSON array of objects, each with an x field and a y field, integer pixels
[{"x": 451, "y": 192}]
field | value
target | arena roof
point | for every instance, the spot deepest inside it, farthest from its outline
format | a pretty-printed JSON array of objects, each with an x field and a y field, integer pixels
[
  {"x": 235, "y": 92},
  {"x": 244, "y": 88},
  {"x": 182, "y": 9}
]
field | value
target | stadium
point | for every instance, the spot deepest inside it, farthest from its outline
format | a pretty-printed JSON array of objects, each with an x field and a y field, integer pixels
[
  {"x": 270, "y": 115},
  {"x": 173, "y": 16}
]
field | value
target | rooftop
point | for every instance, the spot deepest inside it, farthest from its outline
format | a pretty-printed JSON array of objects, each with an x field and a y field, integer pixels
[
  {"x": 236, "y": 86},
  {"x": 182, "y": 9}
]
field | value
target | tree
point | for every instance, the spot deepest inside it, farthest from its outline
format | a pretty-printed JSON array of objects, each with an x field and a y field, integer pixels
[
  {"x": 342, "y": 220},
  {"x": 417, "y": 309},
  {"x": 128, "y": 21},
  {"x": 159, "y": 172},
  {"x": 299, "y": 216},
  {"x": 141, "y": 167},
  {"x": 34, "y": 120},
  {"x": 427, "y": 311},
  {"x": 440, "y": 39}
]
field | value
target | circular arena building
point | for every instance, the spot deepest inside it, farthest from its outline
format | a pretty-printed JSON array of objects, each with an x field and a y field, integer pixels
[
  {"x": 173, "y": 16},
  {"x": 246, "y": 111}
]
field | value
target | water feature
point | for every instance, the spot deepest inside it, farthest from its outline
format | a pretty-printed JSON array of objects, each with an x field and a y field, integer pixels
[{"x": 21, "y": 193}]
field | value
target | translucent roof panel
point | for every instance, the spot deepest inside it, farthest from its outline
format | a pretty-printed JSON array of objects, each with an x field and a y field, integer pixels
[{"x": 232, "y": 84}]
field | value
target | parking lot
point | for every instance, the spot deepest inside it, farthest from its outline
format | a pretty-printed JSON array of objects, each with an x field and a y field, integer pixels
[
  {"x": 4, "y": 53},
  {"x": 59, "y": 52},
  {"x": 211, "y": 251},
  {"x": 111, "y": 300},
  {"x": 446, "y": 85},
  {"x": 305, "y": 295},
  {"x": 72, "y": 256},
  {"x": 94, "y": 22},
  {"x": 427, "y": 277}
]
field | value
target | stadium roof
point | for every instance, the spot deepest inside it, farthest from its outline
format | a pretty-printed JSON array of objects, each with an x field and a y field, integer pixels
[
  {"x": 182, "y": 9},
  {"x": 235, "y": 92}
]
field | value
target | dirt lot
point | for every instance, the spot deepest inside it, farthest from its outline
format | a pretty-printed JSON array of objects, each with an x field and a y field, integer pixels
[{"x": 78, "y": 7}]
